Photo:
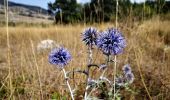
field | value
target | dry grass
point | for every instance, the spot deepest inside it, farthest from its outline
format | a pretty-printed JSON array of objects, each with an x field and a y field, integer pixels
[{"x": 33, "y": 77}]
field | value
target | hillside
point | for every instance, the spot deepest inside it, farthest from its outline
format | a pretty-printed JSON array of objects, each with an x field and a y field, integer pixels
[{"x": 25, "y": 13}]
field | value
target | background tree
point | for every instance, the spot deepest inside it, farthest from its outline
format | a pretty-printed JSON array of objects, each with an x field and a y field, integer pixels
[
  {"x": 100, "y": 10},
  {"x": 67, "y": 10}
]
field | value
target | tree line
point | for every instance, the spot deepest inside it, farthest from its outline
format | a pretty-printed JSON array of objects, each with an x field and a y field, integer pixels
[{"x": 69, "y": 11}]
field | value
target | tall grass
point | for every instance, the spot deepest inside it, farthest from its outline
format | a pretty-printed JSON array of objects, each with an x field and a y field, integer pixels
[{"x": 33, "y": 77}]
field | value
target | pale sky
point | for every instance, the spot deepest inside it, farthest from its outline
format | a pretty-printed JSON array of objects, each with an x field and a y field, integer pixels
[{"x": 43, "y": 3}]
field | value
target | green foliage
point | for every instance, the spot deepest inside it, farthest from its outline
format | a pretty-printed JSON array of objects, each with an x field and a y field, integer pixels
[
  {"x": 105, "y": 10},
  {"x": 99, "y": 10},
  {"x": 58, "y": 96},
  {"x": 70, "y": 11},
  {"x": 3, "y": 91}
]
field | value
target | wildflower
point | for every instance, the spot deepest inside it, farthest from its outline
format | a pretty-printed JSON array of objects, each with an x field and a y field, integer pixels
[
  {"x": 126, "y": 69},
  {"x": 129, "y": 77},
  {"x": 120, "y": 81},
  {"x": 59, "y": 56},
  {"x": 111, "y": 41},
  {"x": 90, "y": 36}
]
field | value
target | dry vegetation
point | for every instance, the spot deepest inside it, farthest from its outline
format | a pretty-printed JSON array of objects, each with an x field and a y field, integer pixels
[{"x": 29, "y": 74}]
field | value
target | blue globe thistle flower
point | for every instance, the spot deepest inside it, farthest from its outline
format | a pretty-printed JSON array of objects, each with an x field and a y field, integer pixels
[
  {"x": 111, "y": 41},
  {"x": 89, "y": 36},
  {"x": 129, "y": 77},
  {"x": 59, "y": 56},
  {"x": 127, "y": 69},
  {"x": 120, "y": 81}
]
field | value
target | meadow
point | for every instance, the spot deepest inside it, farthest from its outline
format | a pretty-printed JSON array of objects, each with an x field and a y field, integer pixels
[{"x": 26, "y": 73}]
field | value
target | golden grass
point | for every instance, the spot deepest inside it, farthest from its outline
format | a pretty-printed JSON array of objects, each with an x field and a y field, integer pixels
[{"x": 33, "y": 77}]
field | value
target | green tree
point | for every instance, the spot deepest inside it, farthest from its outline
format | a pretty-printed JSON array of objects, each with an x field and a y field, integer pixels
[
  {"x": 124, "y": 8},
  {"x": 66, "y": 11},
  {"x": 99, "y": 10}
]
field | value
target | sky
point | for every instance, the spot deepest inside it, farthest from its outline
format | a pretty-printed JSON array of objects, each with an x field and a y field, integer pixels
[{"x": 43, "y": 3}]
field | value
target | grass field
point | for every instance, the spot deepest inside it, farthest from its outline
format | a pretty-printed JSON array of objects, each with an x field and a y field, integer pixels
[{"x": 28, "y": 74}]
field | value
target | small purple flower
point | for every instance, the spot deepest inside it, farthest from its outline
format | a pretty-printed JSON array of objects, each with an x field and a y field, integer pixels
[
  {"x": 111, "y": 41},
  {"x": 120, "y": 81},
  {"x": 129, "y": 77},
  {"x": 59, "y": 56},
  {"x": 90, "y": 36},
  {"x": 127, "y": 69}
]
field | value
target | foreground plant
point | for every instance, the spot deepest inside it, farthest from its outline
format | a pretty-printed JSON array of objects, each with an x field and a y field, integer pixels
[
  {"x": 61, "y": 57},
  {"x": 89, "y": 37},
  {"x": 111, "y": 42}
]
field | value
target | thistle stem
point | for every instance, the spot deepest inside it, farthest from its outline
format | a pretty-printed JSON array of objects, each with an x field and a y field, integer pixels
[
  {"x": 107, "y": 62},
  {"x": 88, "y": 69},
  {"x": 90, "y": 55},
  {"x": 115, "y": 64},
  {"x": 85, "y": 95},
  {"x": 66, "y": 78}
]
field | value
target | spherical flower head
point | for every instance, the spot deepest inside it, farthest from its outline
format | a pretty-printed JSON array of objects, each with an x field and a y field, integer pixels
[
  {"x": 111, "y": 42},
  {"x": 89, "y": 36},
  {"x": 127, "y": 69},
  {"x": 129, "y": 77},
  {"x": 59, "y": 56}
]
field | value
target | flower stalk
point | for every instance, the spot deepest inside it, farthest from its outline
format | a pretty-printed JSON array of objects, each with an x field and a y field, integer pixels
[
  {"x": 115, "y": 67},
  {"x": 107, "y": 63},
  {"x": 66, "y": 79},
  {"x": 90, "y": 56}
]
